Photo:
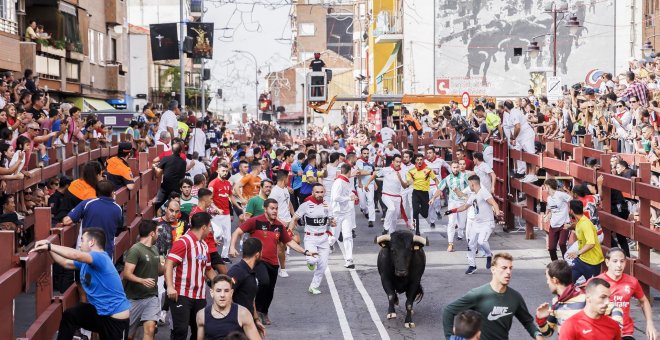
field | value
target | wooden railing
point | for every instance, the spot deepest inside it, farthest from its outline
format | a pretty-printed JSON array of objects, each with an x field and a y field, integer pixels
[{"x": 20, "y": 271}]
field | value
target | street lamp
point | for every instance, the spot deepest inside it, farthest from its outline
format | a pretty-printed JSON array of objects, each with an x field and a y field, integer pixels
[
  {"x": 573, "y": 24},
  {"x": 256, "y": 80},
  {"x": 647, "y": 48}
]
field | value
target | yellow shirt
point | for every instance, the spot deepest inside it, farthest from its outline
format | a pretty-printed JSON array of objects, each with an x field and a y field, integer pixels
[
  {"x": 586, "y": 234},
  {"x": 421, "y": 179}
]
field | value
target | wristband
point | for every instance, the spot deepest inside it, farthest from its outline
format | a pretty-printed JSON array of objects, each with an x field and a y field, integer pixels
[
  {"x": 305, "y": 252},
  {"x": 48, "y": 246}
]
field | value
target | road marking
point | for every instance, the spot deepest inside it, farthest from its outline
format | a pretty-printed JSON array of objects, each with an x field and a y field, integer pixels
[
  {"x": 343, "y": 322},
  {"x": 367, "y": 301}
]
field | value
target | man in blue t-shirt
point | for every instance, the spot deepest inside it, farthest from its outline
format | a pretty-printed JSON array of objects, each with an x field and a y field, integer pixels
[
  {"x": 310, "y": 176},
  {"x": 296, "y": 181},
  {"x": 107, "y": 312}
]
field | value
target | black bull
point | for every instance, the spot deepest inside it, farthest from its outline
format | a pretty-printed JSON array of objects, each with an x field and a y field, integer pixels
[{"x": 401, "y": 263}]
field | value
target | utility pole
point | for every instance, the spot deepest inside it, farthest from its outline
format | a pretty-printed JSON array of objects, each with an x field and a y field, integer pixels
[
  {"x": 203, "y": 91},
  {"x": 182, "y": 34},
  {"x": 304, "y": 109}
]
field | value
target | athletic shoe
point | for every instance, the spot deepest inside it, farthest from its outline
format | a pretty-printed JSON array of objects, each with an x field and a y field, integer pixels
[
  {"x": 384, "y": 232},
  {"x": 314, "y": 291},
  {"x": 450, "y": 247},
  {"x": 366, "y": 215},
  {"x": 226, "y": 260},
  {"x": 45, "y": 158},
  {"x": 371, "y": 224},
  {"x": 488, "y": 261},
  {"x": 265, "y": 320},
  {"x": 341, "y": 237},
  {"x": 471, "y": 270},
  {"x": 459, "y": 238},
  {"x": 529, "y": 179},
  {"x": 432, "y": 225},
  {"x": 311, "y": 267},
  {"x": 283, "y": 273},
  {"x": 162, "y": 318},
  {"x": 349, "y": 264},
  {"x": 332, "y": 248}
]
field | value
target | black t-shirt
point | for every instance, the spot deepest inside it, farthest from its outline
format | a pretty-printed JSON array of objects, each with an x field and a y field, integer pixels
[
  {"x": 470, "y": 136},
  {"x": 245, "y": 285},
  {"x": 317, "y": 65},
  {"x": 36, "y": 114},
  {"x": 174, "y": 170}
]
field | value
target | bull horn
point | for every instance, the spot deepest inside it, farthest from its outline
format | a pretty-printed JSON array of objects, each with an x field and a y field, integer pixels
[
  {"x": 421, "y": 240},
  {"x": 381, "y": 239}
]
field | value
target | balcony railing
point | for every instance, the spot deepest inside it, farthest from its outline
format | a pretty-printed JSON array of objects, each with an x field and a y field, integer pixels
[
  {"x": 8, "y": 26},
  {"x": 389, "y": 85},
  {"x": 388, "y": 23}
]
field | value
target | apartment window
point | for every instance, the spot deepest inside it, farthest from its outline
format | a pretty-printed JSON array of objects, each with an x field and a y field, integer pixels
[
  {"x": 101, "y": 44},
  {"x": 92, "y": 46},
  {"x": 8, "y": 17},
  {"x": 307, "y": 29},
  {"x": 72, "y": 72},
  {"x": 113, "y": 50}
]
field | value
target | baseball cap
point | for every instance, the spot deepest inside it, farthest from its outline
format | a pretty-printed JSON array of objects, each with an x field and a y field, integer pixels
[{"x": 124, "y": 148}]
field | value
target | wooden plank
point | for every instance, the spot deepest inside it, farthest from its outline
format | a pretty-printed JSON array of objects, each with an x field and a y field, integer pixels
[
  {"x": 69, "y": 298},
  {"x": 95, "y": 154},
  {"x": 622, "y": 184},
  {"x": 648, "y": 191},
  {"x": 582, "y": 173},
  {"x": 113, "y": 150},
  {"x": 47, "y": 323},
  {"x": 616, "y": 224},
  {"x": 121, "y": 196},
  {"x": 532, "y": 159},
  {"x": 551, "y": 163},
  {"x": 532, "y": 190},
  {"x": 69, "y": 164},
  {"x": 11, "y": 284},
  {"x": 122, "y": 243},
  {"x": 646, "y": 236},
  {"x": 646, "y": 275},
  {"x": 51, "y": 170},
  {"x": 35, "y": 178},
  {"x": 38, "y": 271}
]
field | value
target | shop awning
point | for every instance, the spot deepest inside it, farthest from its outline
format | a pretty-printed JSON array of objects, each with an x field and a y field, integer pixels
[{"x": 90, "y": 104}]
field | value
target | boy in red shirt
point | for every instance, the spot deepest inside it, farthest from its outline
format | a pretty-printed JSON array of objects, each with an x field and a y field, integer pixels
[
  {"x": 591, "y": 323},
  {"x": 204, "y": 205}
]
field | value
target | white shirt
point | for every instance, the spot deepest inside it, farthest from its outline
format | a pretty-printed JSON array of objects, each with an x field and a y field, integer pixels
[
  {"x": 340, "y": 196},
  {"x": 436, "y": 165},
  {"x": 281, "y": 195},
  {"x": 386, "y": 134},
  {"x": 404, "y": 171},
  {"x": 330, "y": 176},
  {"x": 364, "y": 166},
  {"x": 518, "y": 116},
  {"x": 484, "y": 170},
  {"x": 374, "y": 152},
  {"x": 390, "y": 153},
  {"x": 483, "y": 213},
  {"x": 340, "y": 150},
  {"x": 197, "y": 142},
  {"x": 488, "y": 155},
  {"x": 168, "y": 119},
  {"x": 391, "y": 183},
  {"x": 558, "y": 204},
  {"x": 197, "y": 169},
  {"x": 507, "y": 124},
  {"x": 315, "y": 216}
]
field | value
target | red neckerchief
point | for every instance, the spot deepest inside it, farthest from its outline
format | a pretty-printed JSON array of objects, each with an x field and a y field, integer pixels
[
  {"x": 392, "y": 166},
  {"x": 314, "y": 200},
  {"x": 420, "y": 168},
  {"x": 364, "y": 160},
  {"x": 434, "y": 158},
  {"x": 343, "y": 178},
  {"x": 570, "y": 292}
]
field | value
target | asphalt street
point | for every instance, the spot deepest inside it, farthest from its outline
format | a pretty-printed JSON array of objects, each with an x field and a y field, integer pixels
[{"x": 353, "y": 304}]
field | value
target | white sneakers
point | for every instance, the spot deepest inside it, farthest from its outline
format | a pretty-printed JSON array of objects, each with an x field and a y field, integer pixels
[
  {"x": 283, "y": 273},
  {"x": 529, "y": 178},
  {"x": 314, "y": 291}
]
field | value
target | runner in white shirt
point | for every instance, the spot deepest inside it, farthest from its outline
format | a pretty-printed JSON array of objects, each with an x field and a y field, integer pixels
[
  {"x": 168, "y": 121},
  {"x": 485, "y": 172},
  {"x": 330, "y": 174},
  {"x": 436, "y": 164},
  {"x": 337, "y": 148},
  {"x": 317, "y": 218},
  {"x": 484, "y": 206},
  {"x": 406, "y": 194},
  {"x": 375, "y": 152},
  {"x": 365, "y": 187},
  {"x": 387, "y": 133},
  {"x": 197, "y": 139},
  {"x": 456, "y": 181},
  {"x": 393, "y": 184},
  {"x": 389, "y": 153},
  {"x": 343, "y": 209},
  {"x": 280, "y": 193}
]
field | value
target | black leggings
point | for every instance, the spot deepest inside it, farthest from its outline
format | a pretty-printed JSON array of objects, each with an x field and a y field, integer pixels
[
  {"x": 267, "y": 276},
  {"x": 420, "y": 206},
  {"x": 85, "y": 316},
  {"x": 619, "y": 239},
  {"x": 184, "y": 314}
]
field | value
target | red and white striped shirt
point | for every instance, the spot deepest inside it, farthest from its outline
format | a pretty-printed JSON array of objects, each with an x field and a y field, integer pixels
[{"x": 190, "y": 255}]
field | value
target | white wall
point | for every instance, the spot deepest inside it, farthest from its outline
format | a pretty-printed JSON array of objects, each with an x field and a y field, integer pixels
[
  {"x": 146, "y": 12},
  {"x": 418, "y": 47},
  {"x": 138, "y": 64},
  {"x": 628, "y": 37}
]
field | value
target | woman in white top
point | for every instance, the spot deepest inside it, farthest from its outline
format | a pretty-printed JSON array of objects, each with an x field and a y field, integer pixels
[{"x": 556, "y": 213}]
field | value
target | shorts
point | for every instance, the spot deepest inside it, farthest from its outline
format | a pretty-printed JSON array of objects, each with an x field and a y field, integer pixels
[
  {"x": 142, "y": 310},
  {"x": 216, "y": 258}
]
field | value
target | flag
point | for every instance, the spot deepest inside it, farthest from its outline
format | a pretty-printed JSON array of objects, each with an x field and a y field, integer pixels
[
  {"x": 202, "y": 34},
  {"x": 164, "y": 42}
]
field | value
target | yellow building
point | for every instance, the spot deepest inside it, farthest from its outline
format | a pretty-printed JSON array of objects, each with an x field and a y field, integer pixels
[{"x": 385, "y": 51}]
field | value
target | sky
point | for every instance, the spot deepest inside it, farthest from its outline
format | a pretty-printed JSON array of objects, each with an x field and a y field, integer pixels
[{"x": 261, "y": 27}]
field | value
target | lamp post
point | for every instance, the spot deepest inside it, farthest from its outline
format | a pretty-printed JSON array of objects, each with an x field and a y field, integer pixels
[
  {"x": 256, "y": 80},
  {"x": 573, "y": 24},
  {"x": 647, "y": 48}
]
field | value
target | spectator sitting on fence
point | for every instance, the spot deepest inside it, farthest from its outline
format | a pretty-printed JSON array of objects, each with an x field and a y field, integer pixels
[
  {"x": 81, "y": 189},
  {"x": 118, "y": 172}
]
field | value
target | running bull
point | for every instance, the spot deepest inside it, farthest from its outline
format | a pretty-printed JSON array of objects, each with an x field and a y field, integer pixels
[{"x": 401, "y": 263}]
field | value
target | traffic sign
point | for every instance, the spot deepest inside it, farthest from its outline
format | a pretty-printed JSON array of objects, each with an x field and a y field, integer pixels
[
  {"x": 465, "y": 100},
  {"x": 555, "y": 91}
]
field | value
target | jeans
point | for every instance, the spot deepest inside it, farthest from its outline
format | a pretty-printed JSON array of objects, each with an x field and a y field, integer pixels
[
  {"x": 85, "y": 316},
  {"x": 184, "y": 312},
  {"x": 580, "y": 268},
  {"x": 267, "y": 277},
  {"x": 557, "y": 235}
]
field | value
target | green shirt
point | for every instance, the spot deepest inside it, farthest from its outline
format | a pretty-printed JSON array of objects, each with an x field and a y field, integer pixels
[
  {"x": 497, "y": 311},
  {"x": 146, "y": 261},
  {"x": 255, "y": 206},
  {"x": 188, "y": 204},
  {"x": 492, "y": 121}
]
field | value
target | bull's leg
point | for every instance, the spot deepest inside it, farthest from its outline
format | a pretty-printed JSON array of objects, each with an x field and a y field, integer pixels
[
  {"x": 411, "y": 294},
  {"x": 392, "y": 298}
]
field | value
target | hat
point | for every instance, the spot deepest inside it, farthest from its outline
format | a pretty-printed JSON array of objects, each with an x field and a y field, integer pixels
[
  {"x": 149, "y": 113},
  {"x": 125, "y": 148}
]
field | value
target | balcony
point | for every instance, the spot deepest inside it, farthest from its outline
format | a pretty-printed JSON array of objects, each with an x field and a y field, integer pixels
[
  {"x": 8, "y": 26},
  {"x": 389, "y": 84},
  {"x": 115, "y": 12},
  {"x": 196, "y": 8},
  {"x": 389, "y": 28},
  {"x": 113, "y": 79}
]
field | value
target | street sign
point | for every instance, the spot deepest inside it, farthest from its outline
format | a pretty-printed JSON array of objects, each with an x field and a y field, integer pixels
[
  {"x": 465, "y": 100},
  {"x": 554, "y": 86}
]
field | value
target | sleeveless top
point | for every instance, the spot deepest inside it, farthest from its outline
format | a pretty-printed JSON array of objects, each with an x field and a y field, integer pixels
[{"x": 218, "y": 329}]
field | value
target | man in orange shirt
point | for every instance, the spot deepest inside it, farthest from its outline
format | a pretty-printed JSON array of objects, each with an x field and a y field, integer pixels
[{"x": 250, "y": 184}]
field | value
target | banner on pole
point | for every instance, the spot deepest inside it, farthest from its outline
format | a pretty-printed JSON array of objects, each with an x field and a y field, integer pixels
[
  {"x": 164, "y": 42},
  {"x": 202, "y": 33}
]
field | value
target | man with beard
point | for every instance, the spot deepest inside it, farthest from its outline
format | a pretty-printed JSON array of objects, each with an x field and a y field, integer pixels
[
  {"x": 393, "y": 184},
  {"x": 456, "y": 181}
]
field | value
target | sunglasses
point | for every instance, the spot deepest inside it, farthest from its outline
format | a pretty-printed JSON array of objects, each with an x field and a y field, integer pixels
[{"x": 590, "y": 107}]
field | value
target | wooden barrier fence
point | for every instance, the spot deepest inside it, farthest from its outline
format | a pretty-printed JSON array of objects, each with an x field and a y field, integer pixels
[{"x": 21, "y": 273}]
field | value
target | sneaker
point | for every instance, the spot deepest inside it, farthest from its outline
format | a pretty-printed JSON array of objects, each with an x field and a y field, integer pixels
[
  {"x": 488, "y": 261},
  {"x": 265, "y": 320},
  {"x": 349, "y": 264},
  {"x": 311, "y": 266},
  {"x": 384, "y": 232},
  {"x": 382, "y": 219},
  {"x": 529, "y": 179},
  {"x": 459, "y": 238},
  {"x": 162, "y": 318},
  {"x": 450, "y": 247},
  {"x": 366, "y": 215},
  {"x": 432, "y": 225},
  {"x": 226, "y": 260},
  {"x": 341, "y": 237},
  {"x": 377, "y": 210},
  {"x": 471, "y": 270},
  {"x": 314, "y": 291},
  {"x": 282, "y": 273},
  {"x": 371, "y": 224},
  {"x": 332, "y": 248}
]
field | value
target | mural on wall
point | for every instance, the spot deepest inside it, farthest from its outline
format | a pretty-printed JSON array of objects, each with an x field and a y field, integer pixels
[{"x": 481, "y": 45}]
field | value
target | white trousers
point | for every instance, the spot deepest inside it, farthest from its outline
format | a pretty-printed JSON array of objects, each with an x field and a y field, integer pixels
[
  {"x": 393, "y": 204},
  {"x": 434, "y": 208},
  {"x": 526, "y": 144},
  {"x": 456, "y": 220},
  {"x": 406, "y": 197},
  {"x": 478, "y": 238},
  {"x": 345, "y": 224},
  {"x": 320, "y": 245},
  {"x": 221, "y": 225},
  {"x": 367, "y": 202}
]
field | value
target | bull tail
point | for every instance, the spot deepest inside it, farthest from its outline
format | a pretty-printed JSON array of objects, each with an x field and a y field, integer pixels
[{"x": 420, "y": 294}]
